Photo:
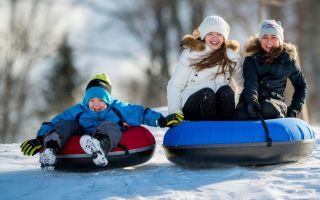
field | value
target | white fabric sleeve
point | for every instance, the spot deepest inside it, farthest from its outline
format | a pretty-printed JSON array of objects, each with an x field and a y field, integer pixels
[
  {"x": 237, "y": 77},
  {"x": 178, "y": 82}
]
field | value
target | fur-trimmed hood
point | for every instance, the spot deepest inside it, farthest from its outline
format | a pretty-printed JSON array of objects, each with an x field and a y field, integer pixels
[
  {"x": 196, "y": 44},
  {"x": 253, "y": 46}
]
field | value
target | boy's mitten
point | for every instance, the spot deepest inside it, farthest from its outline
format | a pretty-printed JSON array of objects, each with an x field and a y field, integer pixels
[
  {"x": 32, "y": 147},
  {"x": 170, "y": 120}
]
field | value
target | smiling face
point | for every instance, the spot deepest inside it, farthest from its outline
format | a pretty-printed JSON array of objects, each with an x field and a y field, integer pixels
[
  {"x": 97, "y": 105},
  {"x": 214, "y": 40},
  {"x": 269, "y": 41}
]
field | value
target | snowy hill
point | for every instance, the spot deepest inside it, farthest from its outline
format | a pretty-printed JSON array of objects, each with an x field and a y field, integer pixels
[{"x": 22, "y": 178}]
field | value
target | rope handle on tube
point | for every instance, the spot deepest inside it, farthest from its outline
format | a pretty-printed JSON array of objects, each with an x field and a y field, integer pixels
[{"x": 266, "y": 130}]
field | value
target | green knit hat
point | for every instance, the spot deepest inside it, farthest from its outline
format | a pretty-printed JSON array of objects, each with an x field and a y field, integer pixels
[{"x": 100, "y": 80}]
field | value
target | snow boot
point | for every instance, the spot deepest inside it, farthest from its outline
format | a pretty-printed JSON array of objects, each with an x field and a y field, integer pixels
[
  {"x": 48, "y": 158},
  {"x": 98, "y": 148}
]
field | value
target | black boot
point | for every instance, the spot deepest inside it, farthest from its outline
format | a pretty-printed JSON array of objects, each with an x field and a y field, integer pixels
[
  {"x": 104, "y": 141},
  {"x": 49, "y": 157}
]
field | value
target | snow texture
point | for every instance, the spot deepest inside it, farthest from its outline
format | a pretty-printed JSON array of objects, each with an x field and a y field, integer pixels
[{"x": 22, "y": 178}]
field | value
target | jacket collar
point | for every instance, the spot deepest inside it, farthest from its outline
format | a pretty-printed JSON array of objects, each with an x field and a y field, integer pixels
[
  {"x": 96, "y": 114},
  {"x": 253, "y": 48}
]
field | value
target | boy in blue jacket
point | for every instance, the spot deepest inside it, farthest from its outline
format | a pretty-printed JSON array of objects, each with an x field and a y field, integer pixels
[{"x": 99, "y": 119}]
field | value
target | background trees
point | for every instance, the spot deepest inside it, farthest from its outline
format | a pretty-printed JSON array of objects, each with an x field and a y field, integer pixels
[{"x": 30, "y": 35}]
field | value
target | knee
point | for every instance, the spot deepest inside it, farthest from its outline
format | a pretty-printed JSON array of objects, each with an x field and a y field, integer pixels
[
  {"x": 53, "y": 136},
  {"x": 225, "y": 91},
  {"x": 108, "y": 128},
  {"x": 65, "y": 125},
  {"x": 206, "y": 94}
]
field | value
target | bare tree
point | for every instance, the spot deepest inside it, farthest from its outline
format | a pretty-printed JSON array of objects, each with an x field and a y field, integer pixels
[
  {"x": 158, "y": 27},
  {"x": 309, "y": 49},
  {"x": 61, "y": 82},
  {"x": 28, "y": 36}
]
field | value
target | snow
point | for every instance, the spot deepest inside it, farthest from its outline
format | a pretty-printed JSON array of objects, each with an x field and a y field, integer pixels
[{"x": 22, "y": 178}]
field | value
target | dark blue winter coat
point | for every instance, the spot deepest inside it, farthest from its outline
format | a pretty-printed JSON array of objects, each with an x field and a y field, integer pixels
[
  {"x": 263, "y": 80},
  {"x": 133, "y": 115}
]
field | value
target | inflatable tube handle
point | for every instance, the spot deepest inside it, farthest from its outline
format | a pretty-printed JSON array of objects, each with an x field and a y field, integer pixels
[
  {"x": 266, "y": 130},
  {"x": 123, "y": 147}
]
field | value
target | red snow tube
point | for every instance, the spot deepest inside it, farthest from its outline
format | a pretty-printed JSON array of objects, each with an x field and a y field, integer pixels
[{"x": 136, "y": 147}]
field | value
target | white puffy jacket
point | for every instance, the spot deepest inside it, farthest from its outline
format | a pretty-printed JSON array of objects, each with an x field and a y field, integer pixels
[{"x": 186, "y": 80}]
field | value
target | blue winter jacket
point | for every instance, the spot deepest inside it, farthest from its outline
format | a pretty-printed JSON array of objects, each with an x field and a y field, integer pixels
[{"x": 133, "y": 115}]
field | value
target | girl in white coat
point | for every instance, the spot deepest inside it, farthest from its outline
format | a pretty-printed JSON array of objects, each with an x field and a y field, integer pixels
[{"x": 200, "y": 87}]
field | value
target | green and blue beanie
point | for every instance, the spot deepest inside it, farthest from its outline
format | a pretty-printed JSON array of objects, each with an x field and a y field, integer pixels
[{"x": 100, "y": 87}]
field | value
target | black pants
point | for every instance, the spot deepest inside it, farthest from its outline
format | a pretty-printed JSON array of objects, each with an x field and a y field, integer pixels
[
  {"x": 205, "y": 105},
  {"x": 63, "y": 131},
  {"x": 271, "y": 109}
]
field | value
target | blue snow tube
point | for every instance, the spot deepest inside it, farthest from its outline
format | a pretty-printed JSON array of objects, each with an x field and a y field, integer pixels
[{"x": 209, "y": 143}]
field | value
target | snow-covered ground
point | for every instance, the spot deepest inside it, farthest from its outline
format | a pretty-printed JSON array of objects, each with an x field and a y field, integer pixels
[{"x": 22, "y": 178}]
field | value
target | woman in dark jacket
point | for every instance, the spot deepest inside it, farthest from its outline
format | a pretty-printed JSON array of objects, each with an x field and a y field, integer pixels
[{"x": 270, "y": 62}]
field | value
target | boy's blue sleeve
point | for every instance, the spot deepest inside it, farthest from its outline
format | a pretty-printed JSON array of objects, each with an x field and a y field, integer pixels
[
  {"x": 68, "y": 114},
  {"x": 136, "y": 115}
]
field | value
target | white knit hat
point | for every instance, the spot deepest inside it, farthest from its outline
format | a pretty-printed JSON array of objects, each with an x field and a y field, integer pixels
[
  {"x": 214, "y": 24},
  {"x": 271, "y": 27}
]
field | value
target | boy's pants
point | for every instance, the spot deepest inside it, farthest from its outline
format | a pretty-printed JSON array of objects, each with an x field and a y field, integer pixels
[{"x": 64, "y": 129}]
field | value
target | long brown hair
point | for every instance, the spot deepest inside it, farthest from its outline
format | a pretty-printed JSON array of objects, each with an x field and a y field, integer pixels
[
  {"x": 217, "y": 58},
  {"x": 254, "y": 46},
  {"x": 274, "y": 53}
]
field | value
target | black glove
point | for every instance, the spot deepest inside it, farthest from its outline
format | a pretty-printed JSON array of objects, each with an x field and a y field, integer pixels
[
  {"x": 253, "y": 109},
  {"x": 170, "y": 120},
  {"x": 32, "y": 147},
  {"x": 292, "y": 112}
]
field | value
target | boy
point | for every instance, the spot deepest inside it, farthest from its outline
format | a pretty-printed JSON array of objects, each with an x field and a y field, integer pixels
[{"x": 99, "y": 119}]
